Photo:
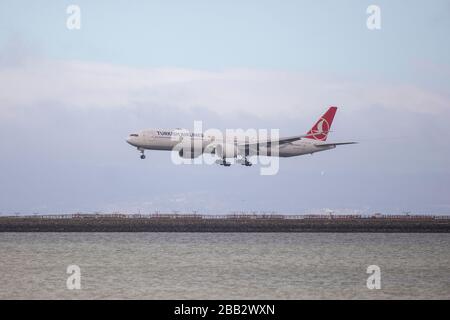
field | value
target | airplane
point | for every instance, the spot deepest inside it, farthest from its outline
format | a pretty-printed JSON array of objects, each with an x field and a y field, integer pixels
[{"x": 192, "y": 145}]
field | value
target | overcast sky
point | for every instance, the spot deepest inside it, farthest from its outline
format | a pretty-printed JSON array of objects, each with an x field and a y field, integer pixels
[{"x": 69, "y": 98}]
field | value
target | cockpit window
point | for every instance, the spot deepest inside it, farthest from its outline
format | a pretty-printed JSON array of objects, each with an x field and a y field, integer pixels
[{"x": 134, "y": 135}]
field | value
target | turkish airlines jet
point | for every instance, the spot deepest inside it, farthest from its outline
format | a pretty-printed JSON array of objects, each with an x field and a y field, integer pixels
[{"x": 192, "y": 145}]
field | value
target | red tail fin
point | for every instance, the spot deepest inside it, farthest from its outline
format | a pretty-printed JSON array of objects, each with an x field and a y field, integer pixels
[{"x": 322, "y": 127}]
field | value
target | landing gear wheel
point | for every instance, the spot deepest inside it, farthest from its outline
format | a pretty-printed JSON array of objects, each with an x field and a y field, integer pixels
[
  {"x": 142, "y": 153},
  {"x": 246, "y": 163},
  {"x": 225, "y": 163}
]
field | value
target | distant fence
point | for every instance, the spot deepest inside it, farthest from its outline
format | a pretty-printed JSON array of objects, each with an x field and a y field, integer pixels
[{"x": 231, "y": 216}]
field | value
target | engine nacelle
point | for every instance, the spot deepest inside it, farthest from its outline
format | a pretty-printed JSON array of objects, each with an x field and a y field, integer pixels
[
  {"x": 188, "y": 150},
  {"x": 226, "y": 150}
]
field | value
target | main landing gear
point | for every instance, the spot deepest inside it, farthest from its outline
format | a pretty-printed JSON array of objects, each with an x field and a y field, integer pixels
[
  {"x": 245, "y": 162},
  {"x": 223, "y": 162}
]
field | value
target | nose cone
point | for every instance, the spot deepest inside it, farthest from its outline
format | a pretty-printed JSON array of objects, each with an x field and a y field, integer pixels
[{"x": 131, "y": 140}]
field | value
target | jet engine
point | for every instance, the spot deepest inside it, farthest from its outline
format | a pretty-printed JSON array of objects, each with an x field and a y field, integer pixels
[
  {"x": 189, "y": 150},
  {"x": 226, "y": 150}
]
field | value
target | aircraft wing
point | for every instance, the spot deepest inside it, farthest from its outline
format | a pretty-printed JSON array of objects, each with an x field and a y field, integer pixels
[
  {"x": 280, "y": 141},
  {"x": 334, "y": 144}
]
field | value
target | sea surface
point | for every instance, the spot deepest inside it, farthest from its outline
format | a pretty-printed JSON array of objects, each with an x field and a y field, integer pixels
[{"x": 224, "y": 265}]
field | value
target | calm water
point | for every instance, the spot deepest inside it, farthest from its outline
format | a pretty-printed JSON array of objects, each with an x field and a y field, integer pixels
[{"x": 224, "y": 266}]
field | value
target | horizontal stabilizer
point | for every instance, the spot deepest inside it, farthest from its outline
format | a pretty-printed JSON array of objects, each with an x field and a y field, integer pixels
[{"x": 334, "y": 144}]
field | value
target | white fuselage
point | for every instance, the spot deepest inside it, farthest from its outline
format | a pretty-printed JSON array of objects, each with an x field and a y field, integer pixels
[{"x": 160, "y": 139}]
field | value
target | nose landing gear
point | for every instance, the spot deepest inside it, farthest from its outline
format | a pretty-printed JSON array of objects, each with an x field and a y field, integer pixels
[{"x": 142, "y": 153}]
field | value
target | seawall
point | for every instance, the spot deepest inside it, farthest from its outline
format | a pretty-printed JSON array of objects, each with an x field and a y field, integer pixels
[{"x": 180, "y": 223}]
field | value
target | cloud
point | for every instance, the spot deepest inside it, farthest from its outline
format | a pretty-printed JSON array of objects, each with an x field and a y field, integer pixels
[{"x": 34, "y": 83}]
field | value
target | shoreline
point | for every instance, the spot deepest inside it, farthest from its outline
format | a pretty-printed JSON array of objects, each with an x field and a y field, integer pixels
[{"x": 180, "y": 223}]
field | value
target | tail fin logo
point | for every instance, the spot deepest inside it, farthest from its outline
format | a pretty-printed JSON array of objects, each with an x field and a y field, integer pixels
[
  {"x": 320, "y": 131},
  {"x": 322, "y": 127}
]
